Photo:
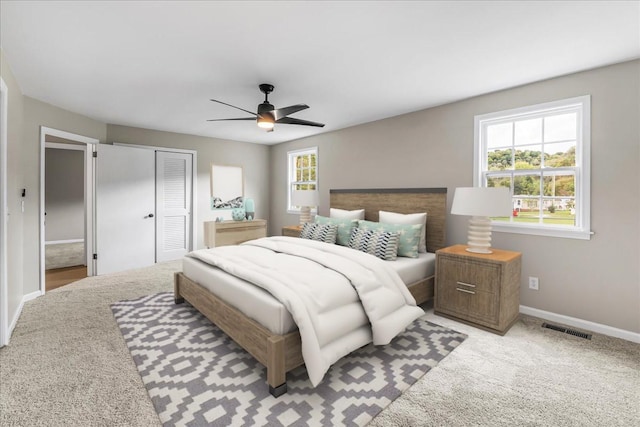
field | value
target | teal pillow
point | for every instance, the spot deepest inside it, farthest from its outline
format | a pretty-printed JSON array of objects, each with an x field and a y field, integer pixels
[
  {"x": 409, "y": 235},
  {"x": 345, "y": 227}
]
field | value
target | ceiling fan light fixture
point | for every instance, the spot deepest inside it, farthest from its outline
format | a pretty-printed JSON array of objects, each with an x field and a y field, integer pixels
[{"x": 265, "y": 122}]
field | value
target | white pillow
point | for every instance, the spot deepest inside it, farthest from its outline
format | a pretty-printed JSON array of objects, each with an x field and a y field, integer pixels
[
  {"x": 341, "y": 213},
  {"x": 416, "y": 218}
]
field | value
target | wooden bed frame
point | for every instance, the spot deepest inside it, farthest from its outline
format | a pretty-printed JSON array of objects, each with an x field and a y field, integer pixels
[{"x": 282, "y": 353}]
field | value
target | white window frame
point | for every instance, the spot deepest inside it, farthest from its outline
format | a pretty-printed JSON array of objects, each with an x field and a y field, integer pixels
[
  {"x": 582, "y": 169},
  {"x": 291, "y": 175}
]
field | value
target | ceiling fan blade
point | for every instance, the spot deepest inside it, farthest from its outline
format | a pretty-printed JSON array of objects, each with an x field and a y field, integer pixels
[
  {"x": 285, "y": 111},
  {"x": 292, "y": 121},
  {"x": 240, "y": 118},
  {"x": 233, "y": 106}
]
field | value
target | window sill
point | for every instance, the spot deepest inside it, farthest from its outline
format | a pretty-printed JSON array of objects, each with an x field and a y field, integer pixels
[{"x": 542, "y": 231}]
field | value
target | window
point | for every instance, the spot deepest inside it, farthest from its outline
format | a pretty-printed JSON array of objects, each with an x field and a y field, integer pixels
[
  {"x": 541, "y": 153},
  {"x": 303, "y": 173}
]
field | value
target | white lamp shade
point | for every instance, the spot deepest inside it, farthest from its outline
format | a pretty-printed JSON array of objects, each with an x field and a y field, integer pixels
[
  {"x": 482, "y": 201},
  {"x": 305, "y": 198}
]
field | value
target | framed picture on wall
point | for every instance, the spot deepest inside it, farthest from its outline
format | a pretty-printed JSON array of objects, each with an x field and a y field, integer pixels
[{"x": 227, "y": 186}]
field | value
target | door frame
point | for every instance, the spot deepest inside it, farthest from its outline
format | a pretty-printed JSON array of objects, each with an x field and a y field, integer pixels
[
  {"x": 89, "y": 201},
  {"x": 4, "y": 291},
  {"x": 194, "y": 182}
]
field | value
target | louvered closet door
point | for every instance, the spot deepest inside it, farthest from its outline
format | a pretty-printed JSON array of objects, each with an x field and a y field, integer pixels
[{"x": 173, "y": 205}]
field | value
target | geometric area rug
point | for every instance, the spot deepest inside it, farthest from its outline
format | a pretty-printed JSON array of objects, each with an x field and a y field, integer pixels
[{"x": 197, "y": 376}]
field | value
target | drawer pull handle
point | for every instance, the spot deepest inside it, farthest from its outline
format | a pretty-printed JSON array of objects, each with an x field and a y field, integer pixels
[
  {"x": 466, "y": 284},
  {"x": 466, "y": 291}
]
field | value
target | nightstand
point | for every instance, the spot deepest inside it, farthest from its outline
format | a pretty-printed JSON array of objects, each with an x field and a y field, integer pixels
[
  {"x": 482, "y": 290},
  {"x": 291, "y": 230}
]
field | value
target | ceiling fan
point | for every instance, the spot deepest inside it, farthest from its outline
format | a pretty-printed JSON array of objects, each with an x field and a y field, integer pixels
[{"x": 267, "y": 115}]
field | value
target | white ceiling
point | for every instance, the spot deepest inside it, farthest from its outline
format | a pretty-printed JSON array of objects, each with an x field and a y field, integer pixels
[{"x": 155, "y": 64}]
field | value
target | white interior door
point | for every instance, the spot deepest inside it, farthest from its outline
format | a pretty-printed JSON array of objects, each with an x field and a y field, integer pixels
[
  {"x": 125, "y": 208},
  {"x": 173, "y": 205}
]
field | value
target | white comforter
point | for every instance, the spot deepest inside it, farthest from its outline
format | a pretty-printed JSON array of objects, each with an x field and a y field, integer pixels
[{"x": 341, "y": 299}]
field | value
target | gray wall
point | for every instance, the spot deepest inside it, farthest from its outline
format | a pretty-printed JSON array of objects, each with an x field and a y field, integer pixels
[
  {"x": 596, "y": 280},
  {"x": 64, "y": 194},
  {"x": 252, "y": 157},
  {"x": 37, "y": 114},
  {"x": 14, "y": 185}
]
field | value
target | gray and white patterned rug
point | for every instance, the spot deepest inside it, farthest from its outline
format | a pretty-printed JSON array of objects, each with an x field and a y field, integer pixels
[{"x": 197, "y": 376}]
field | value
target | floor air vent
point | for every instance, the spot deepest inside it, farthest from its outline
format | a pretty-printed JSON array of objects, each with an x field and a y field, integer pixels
[{"x": 567, "y": 330}]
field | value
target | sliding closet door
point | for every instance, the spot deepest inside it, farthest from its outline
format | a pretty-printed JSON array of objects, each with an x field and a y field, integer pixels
[
  {"x": 125, "y": 208},
  {"x": 173, "y": 205}
]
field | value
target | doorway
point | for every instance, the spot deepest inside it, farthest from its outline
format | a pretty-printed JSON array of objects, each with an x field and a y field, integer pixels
[
  {"x": 68, "y": 142},
  {"x": 65, "y": 222}
]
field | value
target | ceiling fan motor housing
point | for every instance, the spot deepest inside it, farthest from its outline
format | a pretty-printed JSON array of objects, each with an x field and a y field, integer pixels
[{"x": 265, "y": 107}]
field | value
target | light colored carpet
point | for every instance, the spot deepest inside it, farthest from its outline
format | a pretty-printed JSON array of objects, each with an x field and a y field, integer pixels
[
  {"x": 67, "y": 364},
  {"x": 64, "y": 255}
]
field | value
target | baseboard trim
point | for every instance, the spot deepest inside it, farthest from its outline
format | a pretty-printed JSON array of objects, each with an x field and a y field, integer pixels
[
  {"x": 582, "y": 324},
  {"x": 16, "y": 316},
  {"x": 58, "y": 242}
]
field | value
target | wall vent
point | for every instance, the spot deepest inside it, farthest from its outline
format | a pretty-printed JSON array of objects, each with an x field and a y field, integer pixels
[{"x": 566, "y": 330}]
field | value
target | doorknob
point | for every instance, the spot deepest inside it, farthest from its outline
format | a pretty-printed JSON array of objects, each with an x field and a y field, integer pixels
[{"x": 149, "y": 216}]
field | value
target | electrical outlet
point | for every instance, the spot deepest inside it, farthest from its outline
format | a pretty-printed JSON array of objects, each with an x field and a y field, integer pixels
[{"x": 533, "y": 283}]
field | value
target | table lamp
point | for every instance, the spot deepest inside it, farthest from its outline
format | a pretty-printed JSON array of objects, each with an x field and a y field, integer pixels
[
  {"x": 481, "y": 203},
  {"x": 305, "y": 199}
]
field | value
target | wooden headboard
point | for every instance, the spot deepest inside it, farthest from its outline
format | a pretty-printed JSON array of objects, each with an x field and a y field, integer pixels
[{"x": 433, "y": 201}]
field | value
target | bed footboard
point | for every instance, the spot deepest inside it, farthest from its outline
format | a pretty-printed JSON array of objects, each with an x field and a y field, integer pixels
[{"x": 279, "y": 353}]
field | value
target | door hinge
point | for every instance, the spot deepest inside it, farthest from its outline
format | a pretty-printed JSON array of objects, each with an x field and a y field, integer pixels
[
  {"x": 95, "y": 256},
  {"x": 95, "y": 154}
]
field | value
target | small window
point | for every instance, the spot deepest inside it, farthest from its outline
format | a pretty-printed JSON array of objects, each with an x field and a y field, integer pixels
[
  {"x": 542, "y": 154},
  {"x": 303, "y": 173}
]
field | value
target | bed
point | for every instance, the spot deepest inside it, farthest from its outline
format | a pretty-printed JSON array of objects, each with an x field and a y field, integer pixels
[{"x": 280, "y": 351}]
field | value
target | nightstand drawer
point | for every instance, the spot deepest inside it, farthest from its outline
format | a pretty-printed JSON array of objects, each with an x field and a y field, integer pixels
[
  {"x": 469, "y": 275},
  {"x": 461, "y": 300}
]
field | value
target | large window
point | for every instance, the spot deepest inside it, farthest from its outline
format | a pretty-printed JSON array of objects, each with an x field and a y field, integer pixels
[
  {"x": 541, "y": 153},
  {"x": 303, "y": 173}
]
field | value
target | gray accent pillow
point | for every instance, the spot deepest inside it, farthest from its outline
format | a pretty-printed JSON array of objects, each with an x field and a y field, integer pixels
[
  {"x": 321, "y": 232},
  {"x": 408, "y": 235},
  {"x": 381, "y": 244}
]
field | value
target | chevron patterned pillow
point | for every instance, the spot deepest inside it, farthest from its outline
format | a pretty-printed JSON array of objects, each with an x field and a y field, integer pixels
[
  {"x": 381, "y": 244},
  {"x": 345, "y": 227},
  {"x": 321, "y": 232}
]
